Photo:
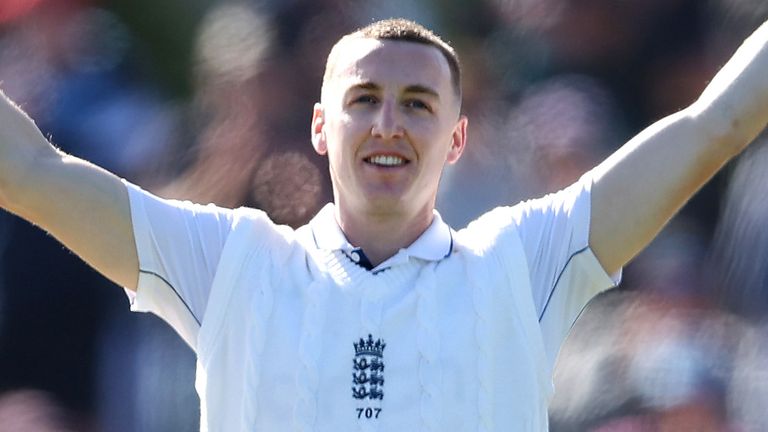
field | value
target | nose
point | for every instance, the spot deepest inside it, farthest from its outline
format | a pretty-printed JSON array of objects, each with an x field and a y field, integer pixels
[{"x": 387, "y": 124}]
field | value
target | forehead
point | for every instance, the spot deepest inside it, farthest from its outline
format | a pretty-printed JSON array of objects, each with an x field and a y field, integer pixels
[{"x": 389, "y": 63}]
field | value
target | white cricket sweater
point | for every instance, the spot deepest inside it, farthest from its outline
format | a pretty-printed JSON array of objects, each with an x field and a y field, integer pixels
[{"x": 296, "y": 336}]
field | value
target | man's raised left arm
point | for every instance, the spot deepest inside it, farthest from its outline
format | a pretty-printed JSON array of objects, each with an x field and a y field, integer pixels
[{"x": 643, "y": 184}]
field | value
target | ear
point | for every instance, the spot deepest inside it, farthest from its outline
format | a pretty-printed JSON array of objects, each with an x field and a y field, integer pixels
[
  {"x": 318, "y": 132},
  {"x": 458, "y": 140}
]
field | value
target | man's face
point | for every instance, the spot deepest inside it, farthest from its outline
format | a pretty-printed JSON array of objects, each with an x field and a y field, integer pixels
[{"x": 389, "y": 121}]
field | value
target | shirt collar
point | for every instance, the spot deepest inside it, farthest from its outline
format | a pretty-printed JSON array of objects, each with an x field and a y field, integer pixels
[{"x": 434, "y": 244}]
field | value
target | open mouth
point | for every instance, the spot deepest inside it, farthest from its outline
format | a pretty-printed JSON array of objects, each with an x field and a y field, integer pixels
[{"x": 386, "y": 161}]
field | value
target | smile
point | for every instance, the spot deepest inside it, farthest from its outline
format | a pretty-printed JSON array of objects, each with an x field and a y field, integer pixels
[{"x": 386, "y": 161}]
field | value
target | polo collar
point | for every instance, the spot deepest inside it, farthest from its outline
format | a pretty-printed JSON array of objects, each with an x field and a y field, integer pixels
[{"x": 434, "y": 244}]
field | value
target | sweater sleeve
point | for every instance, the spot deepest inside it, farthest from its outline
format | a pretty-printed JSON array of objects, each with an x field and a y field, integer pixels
[
  {"x": 179, "y": 245},
  {"x": 564, "y": 272}
]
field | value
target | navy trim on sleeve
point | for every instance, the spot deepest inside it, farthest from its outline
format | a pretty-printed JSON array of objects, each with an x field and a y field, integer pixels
[
  {"x": 552, "y": 292},
  {"x": 175, "y": 292}
]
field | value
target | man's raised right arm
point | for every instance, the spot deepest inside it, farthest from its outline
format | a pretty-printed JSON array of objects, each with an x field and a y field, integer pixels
[{"x": 83, "y": 206}]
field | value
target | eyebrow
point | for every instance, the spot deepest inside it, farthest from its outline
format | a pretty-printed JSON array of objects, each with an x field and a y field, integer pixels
[
  {"x": 417, "y": 88},
  {"x": 413, "y": 88}
]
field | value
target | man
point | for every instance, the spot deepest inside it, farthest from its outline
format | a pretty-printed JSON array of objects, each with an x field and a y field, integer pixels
[{"x": 377, "y": 315}]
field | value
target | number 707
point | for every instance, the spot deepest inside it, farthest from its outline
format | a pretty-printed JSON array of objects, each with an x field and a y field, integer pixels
[{"x": 368, "y": 412}]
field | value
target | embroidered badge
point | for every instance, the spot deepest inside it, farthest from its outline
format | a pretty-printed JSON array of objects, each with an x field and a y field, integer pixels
[{"x": 368, "y": 375}]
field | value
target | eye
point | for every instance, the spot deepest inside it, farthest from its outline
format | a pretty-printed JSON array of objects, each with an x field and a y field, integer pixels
[
  {"x": 365, "y": 99},
  {"x": 417, "y": 104}
]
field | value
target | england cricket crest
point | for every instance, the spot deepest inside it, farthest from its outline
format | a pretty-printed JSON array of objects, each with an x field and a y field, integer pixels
[{"x": 368, "y": 376}]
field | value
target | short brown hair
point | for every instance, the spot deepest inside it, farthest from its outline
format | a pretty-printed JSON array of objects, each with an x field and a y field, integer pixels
[{"x": 400, "y": 29}]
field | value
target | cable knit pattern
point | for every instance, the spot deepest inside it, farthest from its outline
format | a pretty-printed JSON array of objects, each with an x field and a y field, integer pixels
[
  {"x": 261, "y": 305},
  {"x": 310, "y": 346},
  {"x": 481, "y": 299},
  {"x": 428, "y": 341},
  {"x": 371, "y": 310}
]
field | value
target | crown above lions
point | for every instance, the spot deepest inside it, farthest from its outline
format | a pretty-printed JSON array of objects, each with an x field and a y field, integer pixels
[{"x": 369, "y": 347}]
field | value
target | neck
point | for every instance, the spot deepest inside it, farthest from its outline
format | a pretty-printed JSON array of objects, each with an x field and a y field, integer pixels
[{"x": 381, "y": 235}]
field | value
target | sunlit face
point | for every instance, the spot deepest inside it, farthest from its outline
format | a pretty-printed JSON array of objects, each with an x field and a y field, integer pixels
[{"x": 388, "y": 121}]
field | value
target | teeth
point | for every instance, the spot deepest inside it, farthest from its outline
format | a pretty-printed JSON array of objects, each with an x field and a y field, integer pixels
[{"x": 386, "y": 160}]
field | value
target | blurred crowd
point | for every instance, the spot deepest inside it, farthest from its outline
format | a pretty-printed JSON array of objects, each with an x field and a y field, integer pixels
[{"x": 210, "y": 100}]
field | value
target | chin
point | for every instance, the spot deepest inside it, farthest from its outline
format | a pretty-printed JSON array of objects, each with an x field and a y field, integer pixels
[{"x": 383, "y": 204}]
